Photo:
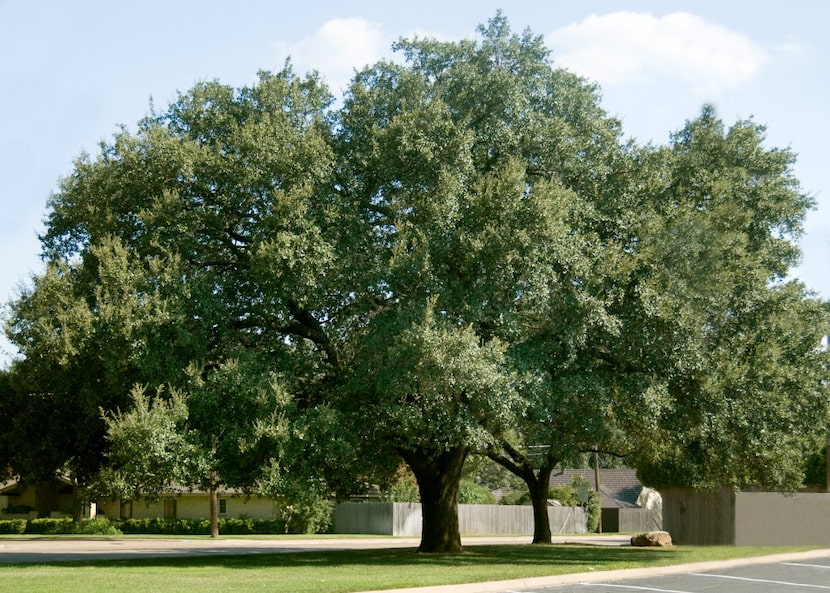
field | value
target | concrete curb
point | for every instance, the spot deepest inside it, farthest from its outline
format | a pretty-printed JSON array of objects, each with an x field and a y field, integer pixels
[{"x": 609, "y": 575}]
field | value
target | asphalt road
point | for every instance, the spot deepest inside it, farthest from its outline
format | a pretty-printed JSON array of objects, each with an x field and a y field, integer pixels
[
  {"x": 798, "y": 572},
  {"x": 793, "y": 574}
]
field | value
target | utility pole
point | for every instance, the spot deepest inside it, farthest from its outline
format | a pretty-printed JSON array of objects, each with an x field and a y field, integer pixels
[{"x": 596, "y": 488}]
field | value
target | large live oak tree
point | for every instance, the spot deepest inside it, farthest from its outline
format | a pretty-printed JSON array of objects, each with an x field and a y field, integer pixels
[{"x": 463, "y": 256}]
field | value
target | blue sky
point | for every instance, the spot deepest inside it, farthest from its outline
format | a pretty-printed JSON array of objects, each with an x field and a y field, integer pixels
[{"x": 72, "y": 72}]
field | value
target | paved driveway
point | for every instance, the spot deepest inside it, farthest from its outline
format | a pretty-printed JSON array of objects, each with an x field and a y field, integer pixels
[{"x": 48, "y": 549}]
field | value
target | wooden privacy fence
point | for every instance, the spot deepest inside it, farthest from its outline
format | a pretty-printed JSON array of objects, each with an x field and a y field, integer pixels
[
  {"x": 620, "y": 520},
  {"x": 404, "y": 519}
]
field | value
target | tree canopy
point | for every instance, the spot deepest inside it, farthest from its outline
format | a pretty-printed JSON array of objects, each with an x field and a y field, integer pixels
[{"x": 466, "y": 255}]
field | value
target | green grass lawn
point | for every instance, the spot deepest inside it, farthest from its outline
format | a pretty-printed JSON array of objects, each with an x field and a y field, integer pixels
[{"x": 343, "y": 571}]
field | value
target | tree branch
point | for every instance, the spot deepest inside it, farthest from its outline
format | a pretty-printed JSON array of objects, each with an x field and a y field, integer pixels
[{"x": 307, "y": 326}]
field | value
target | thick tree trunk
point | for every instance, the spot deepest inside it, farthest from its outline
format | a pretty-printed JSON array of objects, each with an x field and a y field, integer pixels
[
  {"x": 438, "y": 477},
  {"x": 538, "y": 485},
  {"x": 214, "y": 505}
]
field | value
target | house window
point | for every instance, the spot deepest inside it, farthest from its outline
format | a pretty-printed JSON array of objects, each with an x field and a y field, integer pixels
[
  {"x": 169, "y": 508},
  {"x": 223, "y": 506}
]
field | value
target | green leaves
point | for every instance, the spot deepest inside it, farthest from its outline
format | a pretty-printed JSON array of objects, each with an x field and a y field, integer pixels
[
  {"x": 758, "y": 407},
  {"x": 436, "y": 386},
  {"x": 465, "y": 254},
  {"x": 151, "y": 449}
]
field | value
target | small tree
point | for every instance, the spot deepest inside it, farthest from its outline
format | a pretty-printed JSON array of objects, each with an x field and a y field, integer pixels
[
  {"x": 222, "y": 431},
  {"x": 579, "y": 493}
]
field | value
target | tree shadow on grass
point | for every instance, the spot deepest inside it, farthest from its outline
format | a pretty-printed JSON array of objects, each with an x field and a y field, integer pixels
[{"x": 573, "y": 557}]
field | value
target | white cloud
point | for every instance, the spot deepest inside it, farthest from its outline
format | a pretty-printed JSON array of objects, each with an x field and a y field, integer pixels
[
  {"x": 624, "y": 47},
  {"x": 792, "y": 46},
  {"x": 338, "y": 48}
]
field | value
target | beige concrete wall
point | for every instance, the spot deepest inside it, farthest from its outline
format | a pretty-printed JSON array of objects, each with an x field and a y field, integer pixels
[
  {"x": 774, "y": 519},
  {"x": 725, "y": 517}
]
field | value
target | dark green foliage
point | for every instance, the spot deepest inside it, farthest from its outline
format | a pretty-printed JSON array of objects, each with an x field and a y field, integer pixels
[
  {"x": 579, "y": 493},
  {"x": 306, "y": 510},
  {"x": 815, "y": 468},
  {"x": 515, "y": 497},
  {"x": 471, "y": 493},
  {"x": 55, "y": 526},
  {"x": 150, "y": 526},
  {"x": 13, "y": 526},
  {"x": 97, "y": 526},
  {"x": 158, "y": 526},
  {"x": 49, "y": 526},
  {"x": 404, "y": 488},
  {"x": 483, "y": 470},
  {"x": 465, "y": 256}
]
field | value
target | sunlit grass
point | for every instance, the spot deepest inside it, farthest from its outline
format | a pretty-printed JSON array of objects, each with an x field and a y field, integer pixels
[{"x": 344, "y": 571}]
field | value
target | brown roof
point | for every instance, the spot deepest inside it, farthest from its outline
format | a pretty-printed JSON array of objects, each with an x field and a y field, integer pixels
[{"x": 619, "y": 488}]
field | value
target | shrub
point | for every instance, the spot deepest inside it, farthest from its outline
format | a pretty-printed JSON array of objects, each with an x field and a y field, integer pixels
[
  {"x": 568, "y": 496},
  {"x": 306, "y": 511},
  {"x": 515, "y": 497},
  {"x": 404, "y": 488},
  {"x": 133, "y": 525},
  {"x": 241, "y": 526},
  {"x": 48, "y": 526},
  {"x": 13, "y": 526},
  {"x": 97, "y": 526},
  {"x": 471, "y": 493},
  {"x": 230, "y": 526}
]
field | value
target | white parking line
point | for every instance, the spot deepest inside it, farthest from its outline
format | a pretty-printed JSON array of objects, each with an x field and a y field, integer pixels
[
  {"x": 785, "y": 583},
  {"x": 824, "y": 566},
  {"x": 632, "y": 587}
]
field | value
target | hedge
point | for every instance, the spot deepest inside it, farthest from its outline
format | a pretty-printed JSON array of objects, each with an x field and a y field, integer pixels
[
  {"x": 154, "y": 526},
  {"x": 158, "y": 526},
  {"x": 14, "y": 526},
  {"x": 48, "y": 526}
]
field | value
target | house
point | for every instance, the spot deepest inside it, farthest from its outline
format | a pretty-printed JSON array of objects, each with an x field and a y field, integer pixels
[
  {"x": 622, "y": 498},
  {"x": 57, "y": 498},
  {"x": 191, "y": 504},
  {"x": 62, "y": 498}
]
